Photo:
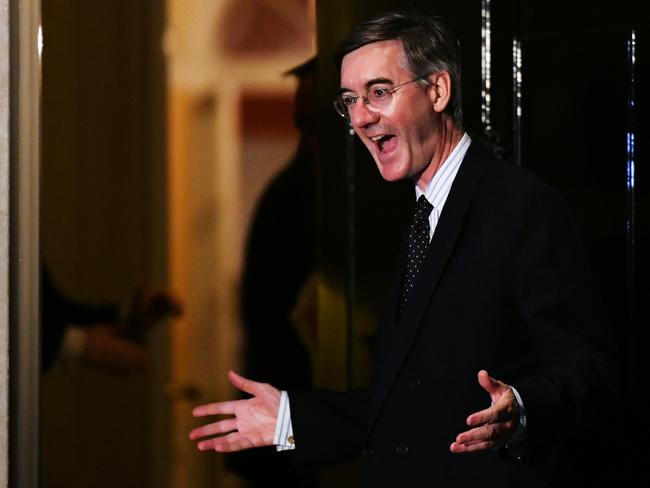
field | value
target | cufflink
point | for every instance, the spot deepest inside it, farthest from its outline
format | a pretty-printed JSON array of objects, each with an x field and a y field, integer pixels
[{"x": 290, "y": 440}]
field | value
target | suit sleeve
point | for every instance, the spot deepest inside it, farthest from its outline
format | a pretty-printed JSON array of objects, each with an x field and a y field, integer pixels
[
  {"x": 577, "y": 385},
  {"x": 58, "y": 312},
  {"x": 328, "y": 426}
]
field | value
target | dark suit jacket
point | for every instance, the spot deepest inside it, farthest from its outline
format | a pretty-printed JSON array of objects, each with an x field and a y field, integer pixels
[{"x": 505, "y": 287}]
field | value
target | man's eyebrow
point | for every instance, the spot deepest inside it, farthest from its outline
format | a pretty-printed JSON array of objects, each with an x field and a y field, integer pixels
[
  {"x": 379, "y": 81},
  {"x": 369, "y": 83}
]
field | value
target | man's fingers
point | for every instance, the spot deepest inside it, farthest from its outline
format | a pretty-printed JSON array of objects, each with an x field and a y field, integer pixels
[
  {"x": 221, "y": 427},
  {"x": 228, "y": 443},
  {"x": 503, "y": 410},
  {"x": 486, "y": 436},
  {"x": 488, "y": 383},
  {"x": 233, "y": 442},
  {"x": 485, "y": 432},
  {"x": 219, "y": 408},
  {"x": 474, "y": 440},
  {"x": 493, "y": 426},
  {"x": 218, "y": 443},
  {"x": 244, "y": 384},
  {"x": 458, "y": 447},
  {"x": 486, "y": 416}
]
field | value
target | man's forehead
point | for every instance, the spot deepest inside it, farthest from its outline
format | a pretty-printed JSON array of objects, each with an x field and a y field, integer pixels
[{"x": 381, "y": 59}]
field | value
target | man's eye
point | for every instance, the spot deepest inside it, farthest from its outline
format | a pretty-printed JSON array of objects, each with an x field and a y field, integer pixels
[
  {"x": 379, "y": 93},
  {"x": 348, "y": 101}
]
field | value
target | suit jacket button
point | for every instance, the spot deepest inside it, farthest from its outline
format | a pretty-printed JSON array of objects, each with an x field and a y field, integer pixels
[
  {"x": 415, "y": 384},
  {"x": 367, "y": 452},
  {"x": 401, "y": 449}
]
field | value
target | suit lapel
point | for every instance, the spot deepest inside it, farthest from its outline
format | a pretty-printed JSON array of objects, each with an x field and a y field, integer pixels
[{"x": 440, "y": 249}]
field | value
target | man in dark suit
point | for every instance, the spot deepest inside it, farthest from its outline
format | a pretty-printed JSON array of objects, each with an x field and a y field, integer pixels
[{"x": 492, "y": 279}]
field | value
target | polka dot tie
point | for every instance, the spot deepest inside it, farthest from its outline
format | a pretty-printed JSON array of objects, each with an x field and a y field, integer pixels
[{"x": 417, "y": 242}]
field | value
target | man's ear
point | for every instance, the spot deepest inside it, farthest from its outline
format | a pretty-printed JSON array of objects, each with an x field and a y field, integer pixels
[{"x": 440, "y": 90}]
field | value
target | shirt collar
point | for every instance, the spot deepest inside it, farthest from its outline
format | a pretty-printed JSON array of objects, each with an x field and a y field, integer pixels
[{"x": 438, "y": 188}]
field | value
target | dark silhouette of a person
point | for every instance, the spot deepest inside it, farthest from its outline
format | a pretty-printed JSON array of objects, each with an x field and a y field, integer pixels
[{"x": 279, "y": 260}]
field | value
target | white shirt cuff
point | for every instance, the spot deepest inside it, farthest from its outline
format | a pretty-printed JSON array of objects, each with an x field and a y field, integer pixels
[
  {"x": 516, "y": 446},
  {"x": 521, "y": 428},
  {"x": 283, "y": 437}
]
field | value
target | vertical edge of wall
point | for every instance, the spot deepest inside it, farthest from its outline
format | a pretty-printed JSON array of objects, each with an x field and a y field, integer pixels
[
  {"x": 4, "y": 241},
  {"x": 24, "y": 21}
]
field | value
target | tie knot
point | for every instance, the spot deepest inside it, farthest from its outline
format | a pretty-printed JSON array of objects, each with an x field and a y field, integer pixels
[{"x": 422, "y": 208}]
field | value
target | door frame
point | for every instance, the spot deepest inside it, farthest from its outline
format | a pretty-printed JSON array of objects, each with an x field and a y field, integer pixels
[{"x": 20, "y": 237}]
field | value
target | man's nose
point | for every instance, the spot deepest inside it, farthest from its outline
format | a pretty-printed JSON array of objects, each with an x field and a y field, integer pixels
[{"x": 361, "y": 114}]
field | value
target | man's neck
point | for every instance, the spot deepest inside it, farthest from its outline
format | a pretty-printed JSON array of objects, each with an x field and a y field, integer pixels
[{"x": 449, "y": 137}]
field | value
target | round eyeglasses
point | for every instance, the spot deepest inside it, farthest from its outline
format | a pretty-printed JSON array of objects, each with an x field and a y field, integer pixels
[{"x": 378, "y": 99}]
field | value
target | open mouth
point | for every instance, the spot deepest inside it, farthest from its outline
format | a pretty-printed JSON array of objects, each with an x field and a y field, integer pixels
[{"x": 385, "y": 142}]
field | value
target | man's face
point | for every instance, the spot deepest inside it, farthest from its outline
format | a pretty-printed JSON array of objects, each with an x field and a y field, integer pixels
[{"x": 401, "y": 138}]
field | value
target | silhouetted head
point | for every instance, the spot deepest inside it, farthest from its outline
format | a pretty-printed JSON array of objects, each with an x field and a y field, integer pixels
[{"x": 306, "y": 97}]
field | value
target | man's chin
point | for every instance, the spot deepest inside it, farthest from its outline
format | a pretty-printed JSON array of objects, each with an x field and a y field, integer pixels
[{"x": 391, "y": 171}]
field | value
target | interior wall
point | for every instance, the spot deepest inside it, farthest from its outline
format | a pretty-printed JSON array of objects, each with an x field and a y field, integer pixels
[{"x": 101, "y": 233}]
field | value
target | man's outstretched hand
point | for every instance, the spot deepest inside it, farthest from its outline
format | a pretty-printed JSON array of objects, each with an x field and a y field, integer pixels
[
  {"x": 493, "y": 427},
  {"x": 252, "y": 421}
]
